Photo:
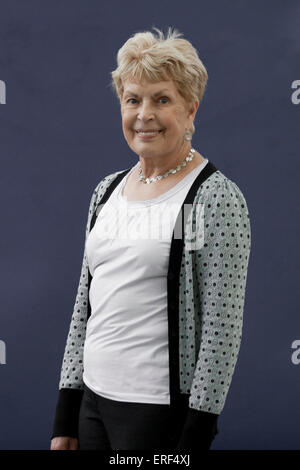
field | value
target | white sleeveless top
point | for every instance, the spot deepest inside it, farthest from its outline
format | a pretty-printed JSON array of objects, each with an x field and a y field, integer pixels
[{"x": 126, "y": 355}]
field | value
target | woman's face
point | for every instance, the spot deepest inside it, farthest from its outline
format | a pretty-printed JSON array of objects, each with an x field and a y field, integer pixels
[{"x": 156, "y": 107}]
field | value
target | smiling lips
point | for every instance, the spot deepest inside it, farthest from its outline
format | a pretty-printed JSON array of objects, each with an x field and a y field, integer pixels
[
  {"x": 147, "y": 130},
  {"x": 148, "y": 133}
]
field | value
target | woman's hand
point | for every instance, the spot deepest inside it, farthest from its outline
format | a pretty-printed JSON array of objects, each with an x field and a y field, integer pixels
[{"x": 64, "y": 443}]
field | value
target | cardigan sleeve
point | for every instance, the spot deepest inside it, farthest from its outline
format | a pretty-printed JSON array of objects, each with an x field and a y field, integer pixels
[
  {"x": 220, "y": 269},
  {"x": 71, "y": 382}
]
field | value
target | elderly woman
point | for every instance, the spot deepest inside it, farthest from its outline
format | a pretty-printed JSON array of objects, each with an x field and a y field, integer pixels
[{"x": 157, "y": 323}]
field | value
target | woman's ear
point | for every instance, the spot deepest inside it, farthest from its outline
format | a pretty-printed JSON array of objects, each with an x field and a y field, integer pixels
[
  {"x": 192, "y": 112},
  {"x": 195, "y": 109}
]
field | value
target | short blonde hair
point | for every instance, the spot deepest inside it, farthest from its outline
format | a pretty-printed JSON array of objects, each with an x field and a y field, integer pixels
[{"x": 159, "y": 58}]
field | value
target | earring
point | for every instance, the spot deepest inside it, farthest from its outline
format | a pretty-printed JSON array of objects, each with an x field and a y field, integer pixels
[{"x": 188, "y": 135}]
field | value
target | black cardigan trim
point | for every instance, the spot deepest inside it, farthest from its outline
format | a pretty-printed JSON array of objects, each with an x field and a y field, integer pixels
[
  {"x": 175, "y": 258},
  {"x": 103, "y": 200}
]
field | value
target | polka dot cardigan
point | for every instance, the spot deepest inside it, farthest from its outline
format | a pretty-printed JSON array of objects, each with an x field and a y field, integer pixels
[{"x": 206, "y": 295}]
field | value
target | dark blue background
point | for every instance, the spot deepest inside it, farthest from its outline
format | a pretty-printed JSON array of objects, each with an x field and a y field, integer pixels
[{"x": 60, "y": 133}]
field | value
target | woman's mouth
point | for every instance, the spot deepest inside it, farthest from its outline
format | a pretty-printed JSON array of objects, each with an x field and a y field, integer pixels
[{"x": 148, "y": 134}]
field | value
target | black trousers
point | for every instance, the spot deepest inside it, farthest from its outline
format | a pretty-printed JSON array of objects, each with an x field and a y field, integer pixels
[{"x": 114, "y": 425}]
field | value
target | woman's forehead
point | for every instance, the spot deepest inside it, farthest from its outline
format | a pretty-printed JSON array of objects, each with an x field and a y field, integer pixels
[{"x": 136, "y": 86}]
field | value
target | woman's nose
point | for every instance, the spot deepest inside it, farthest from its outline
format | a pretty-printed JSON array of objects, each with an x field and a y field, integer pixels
[{"x": 145, "y": 111}]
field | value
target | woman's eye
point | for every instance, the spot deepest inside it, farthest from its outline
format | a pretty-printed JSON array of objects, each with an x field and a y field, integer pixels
[{"x": 133, "y": 100}]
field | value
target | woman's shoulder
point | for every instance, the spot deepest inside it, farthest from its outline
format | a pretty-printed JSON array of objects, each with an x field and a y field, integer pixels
[
  {"x": 219, "y": 189},
  {"x": 105, "y": 182}
]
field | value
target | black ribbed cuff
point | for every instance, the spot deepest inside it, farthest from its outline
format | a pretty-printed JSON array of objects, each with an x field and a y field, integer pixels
[
  {"x": 199, "y": 430},
  {"x": 67, "y": 413}
]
